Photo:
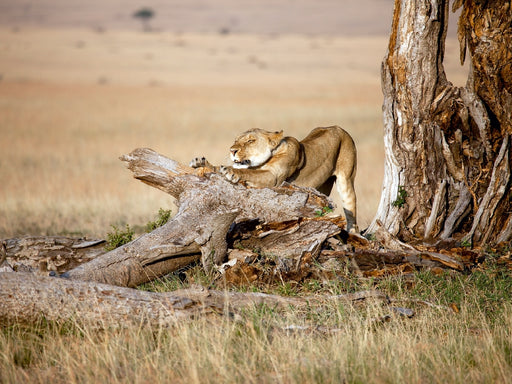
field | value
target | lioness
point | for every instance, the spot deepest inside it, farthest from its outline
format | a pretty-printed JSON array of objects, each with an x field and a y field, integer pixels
[{"x": 266, "y": 159}]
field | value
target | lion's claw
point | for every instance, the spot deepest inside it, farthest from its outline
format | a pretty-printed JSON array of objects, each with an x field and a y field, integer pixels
[
  {"x": 229, "y": 174},
  {"x": 198, "y": 162}
]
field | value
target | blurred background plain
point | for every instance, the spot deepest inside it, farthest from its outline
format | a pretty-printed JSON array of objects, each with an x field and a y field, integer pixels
[{"x": 83, "y": 82}]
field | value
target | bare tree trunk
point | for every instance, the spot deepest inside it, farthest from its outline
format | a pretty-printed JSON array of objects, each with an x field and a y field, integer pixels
[
  {"x": 447, "y": 169},
  {"x": 209, "y": 205}
]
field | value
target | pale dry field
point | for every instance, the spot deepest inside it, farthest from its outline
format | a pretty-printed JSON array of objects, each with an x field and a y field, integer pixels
[
  {"x": 339, "y": 17},
  {"x": 73, "y": 100}
]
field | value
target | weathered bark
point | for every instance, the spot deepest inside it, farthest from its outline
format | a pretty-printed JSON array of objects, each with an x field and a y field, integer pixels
[
  {"x": 28, "y": 298},
  {"x": 372, "y": 263},
  {"x": 285, "y": 239},
  {"x": 42, "y": 254},
  {"x": 447, "y": 168},
  {"x": 208, "y": 206},
  {"x": 58, "y": 254}
]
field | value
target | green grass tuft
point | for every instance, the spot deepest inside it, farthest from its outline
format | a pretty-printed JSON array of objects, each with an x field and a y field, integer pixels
[{"x": 162, "y": 218}]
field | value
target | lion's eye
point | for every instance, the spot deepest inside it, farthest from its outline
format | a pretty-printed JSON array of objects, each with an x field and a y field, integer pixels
[{"x": 250, "y": 141}]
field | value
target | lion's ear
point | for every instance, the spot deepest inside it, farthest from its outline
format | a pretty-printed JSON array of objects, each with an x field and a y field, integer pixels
[{"x": 276, "y": 137}]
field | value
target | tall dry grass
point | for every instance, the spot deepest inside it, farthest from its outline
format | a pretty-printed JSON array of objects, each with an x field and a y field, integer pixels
[{"x": 437, "y": 345}]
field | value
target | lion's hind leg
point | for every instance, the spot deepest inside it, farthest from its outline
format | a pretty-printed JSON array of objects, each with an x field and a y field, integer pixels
[{"x": 345, "y": 188}]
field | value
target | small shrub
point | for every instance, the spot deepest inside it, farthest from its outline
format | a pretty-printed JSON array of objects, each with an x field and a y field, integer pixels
[
  {"x": 322, "y": 212},
  {"x": 466, "y": 243},
  {"x": 163, "y": 217},
  {"x": 118, "y": 237}
]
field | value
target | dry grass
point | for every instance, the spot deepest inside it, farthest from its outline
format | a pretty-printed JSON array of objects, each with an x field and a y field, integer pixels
[
  {"x": 436, "y": 346},
  {"x": 72, "y": 101}
]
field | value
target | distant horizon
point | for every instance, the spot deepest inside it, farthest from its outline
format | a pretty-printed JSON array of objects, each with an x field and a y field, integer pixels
[{"x": 266, "y": 17}]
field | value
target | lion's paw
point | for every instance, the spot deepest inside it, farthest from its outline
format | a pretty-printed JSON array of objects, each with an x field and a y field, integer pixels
[
  {"x": 198, "y": 162},
  {"x": 229, "y": 174}
]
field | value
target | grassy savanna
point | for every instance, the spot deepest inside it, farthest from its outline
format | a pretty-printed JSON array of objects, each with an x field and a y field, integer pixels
[
  {"x": 466, "y": 337},
  {"x": 73, "y": 100},
  {"x": 69, "y": 111}
]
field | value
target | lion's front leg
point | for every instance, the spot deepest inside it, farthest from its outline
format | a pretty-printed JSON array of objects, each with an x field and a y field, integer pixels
[
  {"x": 229, "y": 173},
  {"x": 201, "y": 162},
  {"x": 255, "y": 178}
]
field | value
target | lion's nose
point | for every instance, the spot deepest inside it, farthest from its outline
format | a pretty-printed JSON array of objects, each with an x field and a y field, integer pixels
[{"x": 233, "y": 151}]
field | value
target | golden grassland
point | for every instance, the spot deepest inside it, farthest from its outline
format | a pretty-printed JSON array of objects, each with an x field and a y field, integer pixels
[
  {"x": 72, "y": 101},
  {"x": 438, "y": 345}
]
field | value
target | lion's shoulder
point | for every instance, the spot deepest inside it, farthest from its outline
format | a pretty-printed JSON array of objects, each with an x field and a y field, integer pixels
[{"x": 288, "y": 155}]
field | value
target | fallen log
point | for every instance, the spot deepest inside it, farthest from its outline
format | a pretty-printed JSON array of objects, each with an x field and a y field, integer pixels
[
  {"x": 56, "y": 255},
  {"x": 279, "y": 224},
  {"x": 208, "y": 206},
  {"x": 28, "y": 298},
  {"x": 42, "y": 254},
  {"x": 241, "y": 300},
  {"x": 252, "y": 257},
  {"x": 377, "y": 263}
]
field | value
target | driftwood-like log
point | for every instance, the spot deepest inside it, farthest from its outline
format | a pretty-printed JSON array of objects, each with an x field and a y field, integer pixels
[
  {"x": 28, "y": 298},
  {"x": 56, "y": 255},
  {"x": 376, "y": 263},
  {"x": 42, "y": 254},
  {"x": 208, "y": 207}
]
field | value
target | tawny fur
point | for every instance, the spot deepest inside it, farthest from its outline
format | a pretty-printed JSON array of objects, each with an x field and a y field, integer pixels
[{"x": 267, "y": 159}]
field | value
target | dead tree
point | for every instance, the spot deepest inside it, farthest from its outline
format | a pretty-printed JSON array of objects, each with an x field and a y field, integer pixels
[
  {"x": 282, "y": 228},
  {"x": 210, "y": 207},
  {"x": 28, "y": 298},
  {"x": 448, "y": 150}
]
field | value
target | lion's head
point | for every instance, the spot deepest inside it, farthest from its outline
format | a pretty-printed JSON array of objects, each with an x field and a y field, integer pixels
[{"x": 253, "y": 148}]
